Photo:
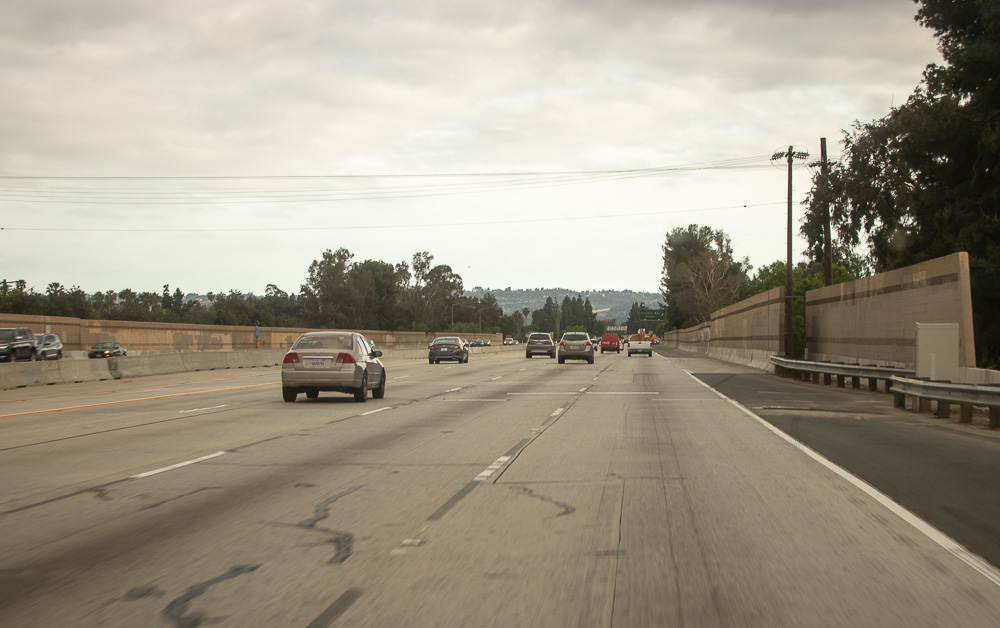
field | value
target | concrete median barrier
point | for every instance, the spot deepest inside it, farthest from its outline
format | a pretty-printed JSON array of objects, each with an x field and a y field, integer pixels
[{"x": 78, "y": 369}]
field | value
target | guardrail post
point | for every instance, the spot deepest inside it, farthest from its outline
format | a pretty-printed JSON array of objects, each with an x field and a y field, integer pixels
[
  {"x": 898, "y": 400},
  {"x": 923, "y": 405},
  {"x": 827, "y": 379},
  {"x": 994, "y": 418},
  {"x": 872, "y": 384},
  {"x": 841, "y": 381},
  {"x": 856, "y": 383},
  {"x": 943, "y": 410},
  {"x": 965, "y": 413}
]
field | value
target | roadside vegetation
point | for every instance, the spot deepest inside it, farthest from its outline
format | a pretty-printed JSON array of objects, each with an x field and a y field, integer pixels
[{"x": 919, "y": 183}]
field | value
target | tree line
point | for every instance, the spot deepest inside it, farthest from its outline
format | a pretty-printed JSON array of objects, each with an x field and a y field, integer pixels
[
  {"x": 919, "y": 183},
  {"x": 338, "y": 293}
]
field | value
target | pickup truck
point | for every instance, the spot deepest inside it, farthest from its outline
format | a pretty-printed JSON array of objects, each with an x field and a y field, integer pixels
[{"x": 639, "y": 343}]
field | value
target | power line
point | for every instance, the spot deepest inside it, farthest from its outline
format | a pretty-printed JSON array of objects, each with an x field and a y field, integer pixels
[
  {"x": 397, "y": 226},
  {"x": 509, "y": 181}
]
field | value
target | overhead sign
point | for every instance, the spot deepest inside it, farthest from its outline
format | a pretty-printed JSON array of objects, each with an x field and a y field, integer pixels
[{"x": 652, "y": 315}]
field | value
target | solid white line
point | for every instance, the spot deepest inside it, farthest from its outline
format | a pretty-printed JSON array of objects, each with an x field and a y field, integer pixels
[
  {"x": 470, "y": 399},
  {"x": 200, "y": 409},
  {"x": 496, "y": 378},
  {"x": 454, "y": 390},
  {"x": 687, "y": 400},
  {"x": 583, "y": 390},
  {"x": 490, "y": 470},
  {"x": 935, "y": 535},
  {"x": 557, "y": 412},
  {"x": 139, "y": 476},
  {"x": 400, "y": 376},
  {"x": 376, "y": 410}
]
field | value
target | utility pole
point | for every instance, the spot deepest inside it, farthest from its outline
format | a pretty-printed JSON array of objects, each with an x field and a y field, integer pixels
[
  {"x": 790, "y": 155},
  {"x": 827, "y": 239}
]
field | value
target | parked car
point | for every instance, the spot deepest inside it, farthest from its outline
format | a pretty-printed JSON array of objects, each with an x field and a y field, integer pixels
[
  {"x": 332, "y": 361},
  {"x": 447, "y": 348},
  {"x": 575, "y": 345},
  {"x": 49, "y": 347},
  {"x": 611, "y": 342},
  {"x": 539, "y": 342},
  {"x": 107, "y": 350},
  {"x": 17, "y": 343}
]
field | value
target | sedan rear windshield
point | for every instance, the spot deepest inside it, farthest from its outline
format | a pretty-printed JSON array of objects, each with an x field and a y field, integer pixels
[
  {"x": 447, "y": 341},
  {"x": 324, "y": 342},
  {"x": 105, "y": 345},
  {"x": 544, "y": 337},
  {"x": 576, "y": 337}
]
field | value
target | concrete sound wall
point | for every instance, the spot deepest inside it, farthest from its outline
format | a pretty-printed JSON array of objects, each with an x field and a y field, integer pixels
[
  {"x": 750, "y": 332},
  {"x": 873, "y": 320},
  {"x": 697, "y": 339}
]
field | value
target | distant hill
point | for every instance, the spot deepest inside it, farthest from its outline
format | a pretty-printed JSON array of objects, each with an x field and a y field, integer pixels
[{"x": 616, "y": 302}]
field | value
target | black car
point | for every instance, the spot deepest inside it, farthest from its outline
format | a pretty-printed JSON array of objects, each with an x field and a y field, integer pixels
[
  {"x": 49, "y": 347},
  {"x": 447, "y": 348},
  {"x": 17, "y": 343},
  {"x": 107, "y": 350}
]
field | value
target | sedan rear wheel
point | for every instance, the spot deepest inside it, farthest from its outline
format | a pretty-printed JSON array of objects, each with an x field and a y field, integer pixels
[
  {"x": 361, "y": 395},
  {"x": 289, "y": 394}
]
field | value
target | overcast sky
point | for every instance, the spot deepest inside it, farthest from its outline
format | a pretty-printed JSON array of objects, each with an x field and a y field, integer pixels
[{"x": 225, "y": 144}]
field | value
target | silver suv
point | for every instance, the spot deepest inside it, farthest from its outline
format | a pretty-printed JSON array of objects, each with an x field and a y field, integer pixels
[
  {"x": 540, "y": 343},
  {"x": 576, "y": 346}
]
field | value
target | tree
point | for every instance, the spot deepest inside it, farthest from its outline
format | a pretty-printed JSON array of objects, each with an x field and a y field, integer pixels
[
  {"x": 326, "y": 296},
  {"x": 700, "y": 275},
  {"x": 924, "y": 181}
]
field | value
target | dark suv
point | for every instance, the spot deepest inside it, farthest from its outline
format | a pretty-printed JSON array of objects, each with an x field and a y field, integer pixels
[
  {"x": 540, "y": 343},
  {"x": 17, "y": 343}
]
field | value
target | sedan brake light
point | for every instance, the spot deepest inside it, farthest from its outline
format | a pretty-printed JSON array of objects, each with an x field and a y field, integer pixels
[
  {"x": 291, "y": 358},
  {"x": 586, "y": 344},
  {"x": 345, "y": 358},
  {"x": 562, "y": 343}
]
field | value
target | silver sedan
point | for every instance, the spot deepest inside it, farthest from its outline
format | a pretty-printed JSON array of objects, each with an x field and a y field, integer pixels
[{"x": 334, "y": 361}]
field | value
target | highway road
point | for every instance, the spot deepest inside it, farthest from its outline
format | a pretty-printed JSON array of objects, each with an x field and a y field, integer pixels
[{"x": 501, "y": 492}]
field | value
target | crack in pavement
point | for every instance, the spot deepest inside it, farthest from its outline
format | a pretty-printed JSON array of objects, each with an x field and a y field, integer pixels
[
  {"x": 567, "y": 509},
  {"x": 167, "y": 501},
  {"x": 342, "y": 541},
  {"x": 176, "y": 611}
]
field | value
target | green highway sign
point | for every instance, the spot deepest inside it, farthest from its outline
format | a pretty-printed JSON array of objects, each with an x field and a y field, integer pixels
[{"x": 652, "y": 315}]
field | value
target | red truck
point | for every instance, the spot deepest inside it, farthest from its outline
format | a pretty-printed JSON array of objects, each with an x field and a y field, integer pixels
[{"x": 611, "y": 342}]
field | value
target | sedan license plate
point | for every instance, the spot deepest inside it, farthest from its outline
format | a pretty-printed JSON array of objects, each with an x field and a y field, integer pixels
[{"x": 317, "y": 364}]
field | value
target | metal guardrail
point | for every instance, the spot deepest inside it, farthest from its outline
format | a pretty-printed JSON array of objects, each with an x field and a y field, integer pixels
[
  {"x": 945, "y": 394},
  {"x": 843, "y": 372},
  {"x": 901, "y": 383}
]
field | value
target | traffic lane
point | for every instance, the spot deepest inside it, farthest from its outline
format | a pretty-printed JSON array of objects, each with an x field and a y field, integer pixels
[
  {"x": 78, "y": 444},
  {"x": 667, "y": 509},
  {"x": 942, "y": 472},
  {"x": 196, "y": 523}
]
